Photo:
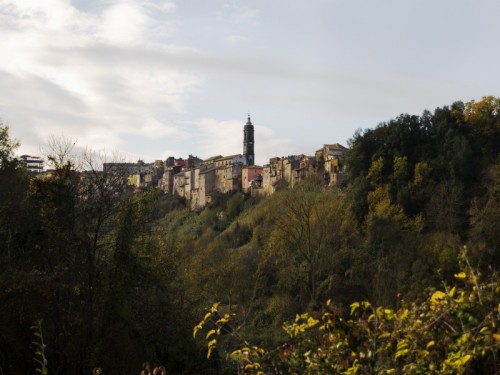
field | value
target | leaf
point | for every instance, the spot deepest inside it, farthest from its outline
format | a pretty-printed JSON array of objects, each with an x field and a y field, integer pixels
[
  {"x": 437, "y": 297},
  {"x": 461, "y": 275},
  {"x": 196, "y": 329},
  {"x": 354, "y": 307},
  {"x": 430, "y": 344},
  {"x": 451, "y": 293},
  {"x": 222, "y": 321},
  {"x": 211, "y": 346},
  {"x": 260, "y": 351},
  {"x": 384, "y": 335},
  {"x": 401, "y": 353},
  {"x": 236, "y": 355},
  {"x": 252, "y": 366},
  {"x": 465, "y": 359},
  {"x": 402, "y": 345},
  {"x": 210, "y": 333},
  {"x": 403, "y": 314},
  {"x": 214, "y": 307},
  {"x": 484, "y": 330},
  {"x": 209, "y": 353}
]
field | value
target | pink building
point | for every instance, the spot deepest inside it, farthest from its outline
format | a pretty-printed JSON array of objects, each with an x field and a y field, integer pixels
[{"x": 251, "y": 175}]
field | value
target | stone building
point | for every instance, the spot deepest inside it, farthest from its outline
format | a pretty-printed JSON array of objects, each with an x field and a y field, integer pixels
[
  {"x": 207, "y": 185},
  {"x": 305, "y": 167},
  {"x": 330, "y": 162}
]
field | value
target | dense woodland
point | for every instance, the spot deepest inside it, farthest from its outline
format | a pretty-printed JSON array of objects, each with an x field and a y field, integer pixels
[{"x": 113, "y": 280}]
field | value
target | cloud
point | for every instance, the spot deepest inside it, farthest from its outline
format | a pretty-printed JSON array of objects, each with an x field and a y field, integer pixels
[
  {"x": 239, "y": 14},
  {"x": 88, "y": 74},
  {"x": 123, "y": 24}
]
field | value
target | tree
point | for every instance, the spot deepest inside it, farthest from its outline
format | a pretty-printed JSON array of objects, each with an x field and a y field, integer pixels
[
  {"x": 311, "y": 228},
  {"x": 7, "y": 145},
  {"x": 14, "y": 214},
  {"x": 453, "y": 331}
]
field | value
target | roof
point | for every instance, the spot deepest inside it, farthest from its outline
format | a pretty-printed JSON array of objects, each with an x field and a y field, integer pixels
[
  {"x": 334, "y": 146},
  {"x": 212, "y": 158},
  {"x": 252, "y": 167}
]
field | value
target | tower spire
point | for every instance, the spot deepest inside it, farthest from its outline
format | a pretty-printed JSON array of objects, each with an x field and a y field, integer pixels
[{"x": 248, "y": 142}]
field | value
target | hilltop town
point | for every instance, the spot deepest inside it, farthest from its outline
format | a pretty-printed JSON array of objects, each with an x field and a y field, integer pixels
[{"x": 199, "y": 181}]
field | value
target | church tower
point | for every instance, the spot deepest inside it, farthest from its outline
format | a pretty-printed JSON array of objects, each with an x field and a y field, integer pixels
[{"x": 248, "y": 143}]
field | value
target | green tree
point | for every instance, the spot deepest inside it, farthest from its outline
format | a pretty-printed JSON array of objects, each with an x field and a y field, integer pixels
[{"x": 7, "y": 145}]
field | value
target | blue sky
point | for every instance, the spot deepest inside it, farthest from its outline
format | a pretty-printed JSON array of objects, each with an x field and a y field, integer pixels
[{"x": 151, "y": 79}]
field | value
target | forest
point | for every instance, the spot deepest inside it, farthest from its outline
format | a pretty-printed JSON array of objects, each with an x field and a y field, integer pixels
[{"x": 394, "y": 272}]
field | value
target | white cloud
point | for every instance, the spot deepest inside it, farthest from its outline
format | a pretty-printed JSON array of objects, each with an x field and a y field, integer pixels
[
  {"x": 124, "y": 24},
  {"x": 240, "y": 14},
  {"x": 90, "y": 75},
  {"x": 161, "y": 6}
]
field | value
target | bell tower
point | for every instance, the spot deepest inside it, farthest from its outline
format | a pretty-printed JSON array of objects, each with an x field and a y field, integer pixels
[{"x": 248, "y": 143}]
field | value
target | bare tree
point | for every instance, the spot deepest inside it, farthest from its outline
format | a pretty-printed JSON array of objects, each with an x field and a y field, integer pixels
[{"x": 60, "y": 153}]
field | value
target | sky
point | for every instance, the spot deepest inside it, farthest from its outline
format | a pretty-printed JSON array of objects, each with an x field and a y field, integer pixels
[{"x": 151, "y": 79}]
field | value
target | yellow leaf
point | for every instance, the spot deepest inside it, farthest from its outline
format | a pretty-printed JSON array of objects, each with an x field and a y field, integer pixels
[
  {"x": 402, "y": 345},
  {"x": 214, "y": 307},
  {"x": 437, "y": 297},
  {"x": 461, "y": 275},
  {"x": 430, "y": 344},
  {"x": 496, "y": 336},
  {"x": 210, "y": 333},
  {"x": 461, "y": 298},
  {"x": 252, "y": 366},
  {"x": 401, "y": 353},
  {"x": 354, "y": 307},
  {"x": 384, "y": 335},
  {"x": 211, "y": 346},
  {"x": 403, "y": 314},
  {"x": 329, "y": 302},
  {"x": 484, "y": 330},
  {"x": 196, "y": 329},
  {"x": 260, "y": 351},
  {"x": 451, "y": 293},
  {"x": 209, "y": 353},
  {"x": 465, "y": 359}
]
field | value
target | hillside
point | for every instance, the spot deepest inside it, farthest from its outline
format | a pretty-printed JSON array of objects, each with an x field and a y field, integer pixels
[{"x": 118, "y": 280}]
